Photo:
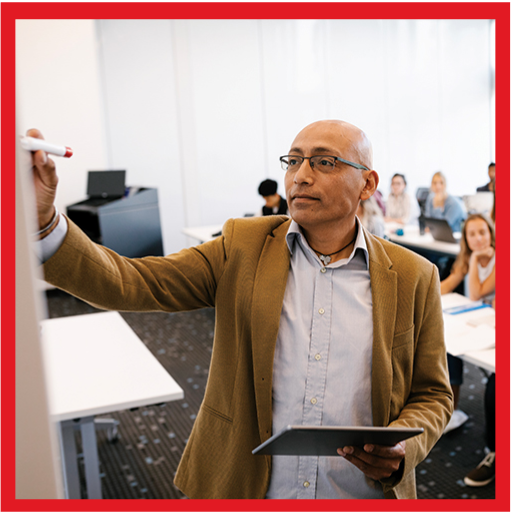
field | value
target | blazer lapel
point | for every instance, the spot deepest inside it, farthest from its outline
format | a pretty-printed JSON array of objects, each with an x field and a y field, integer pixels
[
  {"x": 384, "y": 298},
  {"x": 267, "y": 303}
]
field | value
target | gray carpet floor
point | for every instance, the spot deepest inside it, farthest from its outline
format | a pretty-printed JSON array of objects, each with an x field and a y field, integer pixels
[{"x": 143, "y": 461}]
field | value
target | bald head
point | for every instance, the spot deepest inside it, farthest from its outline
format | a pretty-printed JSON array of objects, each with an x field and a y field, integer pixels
[{"x": 349, "y": 140}]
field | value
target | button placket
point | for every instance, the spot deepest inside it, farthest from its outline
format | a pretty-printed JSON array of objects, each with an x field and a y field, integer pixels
[{"x": 316, "y": 376}]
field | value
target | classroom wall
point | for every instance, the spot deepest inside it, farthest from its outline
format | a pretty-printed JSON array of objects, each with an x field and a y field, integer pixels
[
  {"x": 59, "y": 91},
  {"x": 202, "y": 109}
]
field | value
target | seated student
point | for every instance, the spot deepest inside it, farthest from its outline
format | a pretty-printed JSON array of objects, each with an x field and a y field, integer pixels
[
  {"x": 489, "y": 187},
  {"x": 400, "y": 207},
  {"x": 370, "y": 215},
  {"x": 274, "y": 203},
  {"x": 484, "y": 473},
  {"x": 476, "y": 260},
  {"x": 442, "y": 205},
  {"x": 380, "y": 201}
]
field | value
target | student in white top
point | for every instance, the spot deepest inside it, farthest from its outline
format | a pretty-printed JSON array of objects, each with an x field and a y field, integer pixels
[
  {"x": 485, "y": 472},
  {"x": 400, "y": 207},
  {"x": 475, "y": 260}
]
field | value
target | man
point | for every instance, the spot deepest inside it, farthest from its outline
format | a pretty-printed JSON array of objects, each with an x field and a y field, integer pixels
[
  {"x": 489, "y": 187},
  {"x": 317, "y": 323},
  {"x": 274, "y": 203}
]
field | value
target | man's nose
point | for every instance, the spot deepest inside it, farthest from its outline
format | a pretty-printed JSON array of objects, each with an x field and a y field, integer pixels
[{"x": 305, "y": 172}]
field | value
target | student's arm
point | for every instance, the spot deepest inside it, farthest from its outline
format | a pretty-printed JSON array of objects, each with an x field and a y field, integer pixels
[
  {"x": 477, "y": 290},
  {"x": 453, "y": 213},
  {"x": 452, "y": 281}
]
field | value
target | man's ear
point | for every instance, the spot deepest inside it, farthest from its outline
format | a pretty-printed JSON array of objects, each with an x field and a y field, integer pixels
[{"x": 372, "y": 182}]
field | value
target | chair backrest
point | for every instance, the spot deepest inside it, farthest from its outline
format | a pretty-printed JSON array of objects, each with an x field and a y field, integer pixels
[{"x": 421, "y": 196}]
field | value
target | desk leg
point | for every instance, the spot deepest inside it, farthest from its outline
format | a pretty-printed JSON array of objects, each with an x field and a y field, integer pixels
[
  {"x": 91, "y": 459},
  {"x": 69, "y": 460}
]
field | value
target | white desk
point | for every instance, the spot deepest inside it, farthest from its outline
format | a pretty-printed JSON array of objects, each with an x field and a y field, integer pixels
[
  {"x": 202, "y": 233},
  {"x": 412, "y": 239},
  {"x": 96, "y": 364},
  {"x": 459, "y": 331}
]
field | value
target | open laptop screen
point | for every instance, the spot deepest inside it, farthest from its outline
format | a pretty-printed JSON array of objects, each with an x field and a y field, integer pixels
[{"x": 106, "y": 184}]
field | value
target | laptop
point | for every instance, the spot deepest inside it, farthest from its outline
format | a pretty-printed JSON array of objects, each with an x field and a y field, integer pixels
[
  {"x": 440, "y": 230},
  {"x": 105, "y": 185}
]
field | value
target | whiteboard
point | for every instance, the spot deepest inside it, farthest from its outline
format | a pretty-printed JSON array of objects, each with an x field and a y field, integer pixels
[{"x": 38, "y": 474}]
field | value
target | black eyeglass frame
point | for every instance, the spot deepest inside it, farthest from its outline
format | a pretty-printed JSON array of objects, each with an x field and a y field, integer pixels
[{"x": 348, "y": 162}]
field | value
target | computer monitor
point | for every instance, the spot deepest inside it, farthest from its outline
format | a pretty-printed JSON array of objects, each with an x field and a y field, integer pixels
[{"x": 106, "y": 184}]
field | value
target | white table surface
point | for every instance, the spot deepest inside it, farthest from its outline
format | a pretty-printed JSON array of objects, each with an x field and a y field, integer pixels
[
  {"x": 202, "y": 233},
  {"x": 485, "y": 358},
  {"x": 412, "y": 238},
  {"x": 96, "y": 364}
]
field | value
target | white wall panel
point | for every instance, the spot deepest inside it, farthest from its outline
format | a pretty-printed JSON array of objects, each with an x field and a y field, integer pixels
[
  {"x": 228, "y": 116},
  {"x": 465, "y": 92},
  {"x": 357, "y": 79},
  {"x": 58, "y": 83},
  {"x": 295, "y": 89},
  {"x": 142, "y": 116}
]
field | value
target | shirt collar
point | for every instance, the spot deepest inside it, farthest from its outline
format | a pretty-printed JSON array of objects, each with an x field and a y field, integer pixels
[{"x": 295, "y": 235}]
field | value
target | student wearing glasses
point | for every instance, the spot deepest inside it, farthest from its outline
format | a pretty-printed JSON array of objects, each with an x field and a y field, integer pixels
[
  {"x": 317, "y": 323},
  {"x": 400, "y": 207}
]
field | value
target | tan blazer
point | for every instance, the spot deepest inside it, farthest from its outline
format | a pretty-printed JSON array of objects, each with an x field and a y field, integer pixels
[{"x": 243, "y": 275}]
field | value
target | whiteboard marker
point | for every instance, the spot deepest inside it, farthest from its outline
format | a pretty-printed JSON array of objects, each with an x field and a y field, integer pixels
[{"x": 32, "y": 144}]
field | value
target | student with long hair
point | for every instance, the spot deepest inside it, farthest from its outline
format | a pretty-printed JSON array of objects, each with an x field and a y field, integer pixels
[
  {"x": 476, "y": 260},
  {"x": 441, "y": 205},
  {"x": 485, "y": 472},
  {"x": 400, "y": 207}
]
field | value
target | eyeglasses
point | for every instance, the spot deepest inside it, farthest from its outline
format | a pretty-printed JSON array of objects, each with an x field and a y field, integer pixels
[{"x": 323, "y": 163}]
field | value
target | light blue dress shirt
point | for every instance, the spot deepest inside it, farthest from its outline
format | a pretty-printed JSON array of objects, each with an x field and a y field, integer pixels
[{"x": 323, "y": 367}]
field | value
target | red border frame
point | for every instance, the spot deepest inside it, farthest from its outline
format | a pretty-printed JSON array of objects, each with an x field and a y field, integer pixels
[{"x": 10, "y": 12}]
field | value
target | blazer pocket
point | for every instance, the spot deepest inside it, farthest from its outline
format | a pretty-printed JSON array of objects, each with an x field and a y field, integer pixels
[
  {"x": 402, "y": 360},
  {"x": 217, "y": 414}
]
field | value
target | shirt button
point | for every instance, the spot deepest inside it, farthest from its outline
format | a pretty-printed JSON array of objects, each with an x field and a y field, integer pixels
[
  {"x": 318, "y": 357},
  {"x": 306, "y": 484},
  {"x": 321, "y": 311},
  {"x": 313, "y": 401},
  {"x": 323, "y": 270}
]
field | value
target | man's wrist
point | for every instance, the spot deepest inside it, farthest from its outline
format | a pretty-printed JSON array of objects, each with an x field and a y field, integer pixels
[{"x": 50, "y": 226}]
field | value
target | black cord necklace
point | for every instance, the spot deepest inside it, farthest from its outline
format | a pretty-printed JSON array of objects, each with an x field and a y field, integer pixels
[{"x": 326, "y": 258}]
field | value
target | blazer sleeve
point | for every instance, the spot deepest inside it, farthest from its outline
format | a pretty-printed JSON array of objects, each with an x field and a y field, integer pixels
[
  {"x": 183, "y": 281},
  {"x": 430, "y": 402}
]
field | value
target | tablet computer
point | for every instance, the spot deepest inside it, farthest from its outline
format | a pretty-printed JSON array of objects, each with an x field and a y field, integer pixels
[{"x": 325, "y": 441}]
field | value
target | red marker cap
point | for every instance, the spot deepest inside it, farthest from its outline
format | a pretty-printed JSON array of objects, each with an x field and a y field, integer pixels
[{"x": 68, "y": 153}]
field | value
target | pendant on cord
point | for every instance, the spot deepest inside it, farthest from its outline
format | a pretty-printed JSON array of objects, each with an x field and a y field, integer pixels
[{"x": 325, "y": 259}]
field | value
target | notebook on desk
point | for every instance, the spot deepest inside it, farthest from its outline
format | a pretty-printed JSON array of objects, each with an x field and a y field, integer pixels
[{"x": 440, "y": 230}]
